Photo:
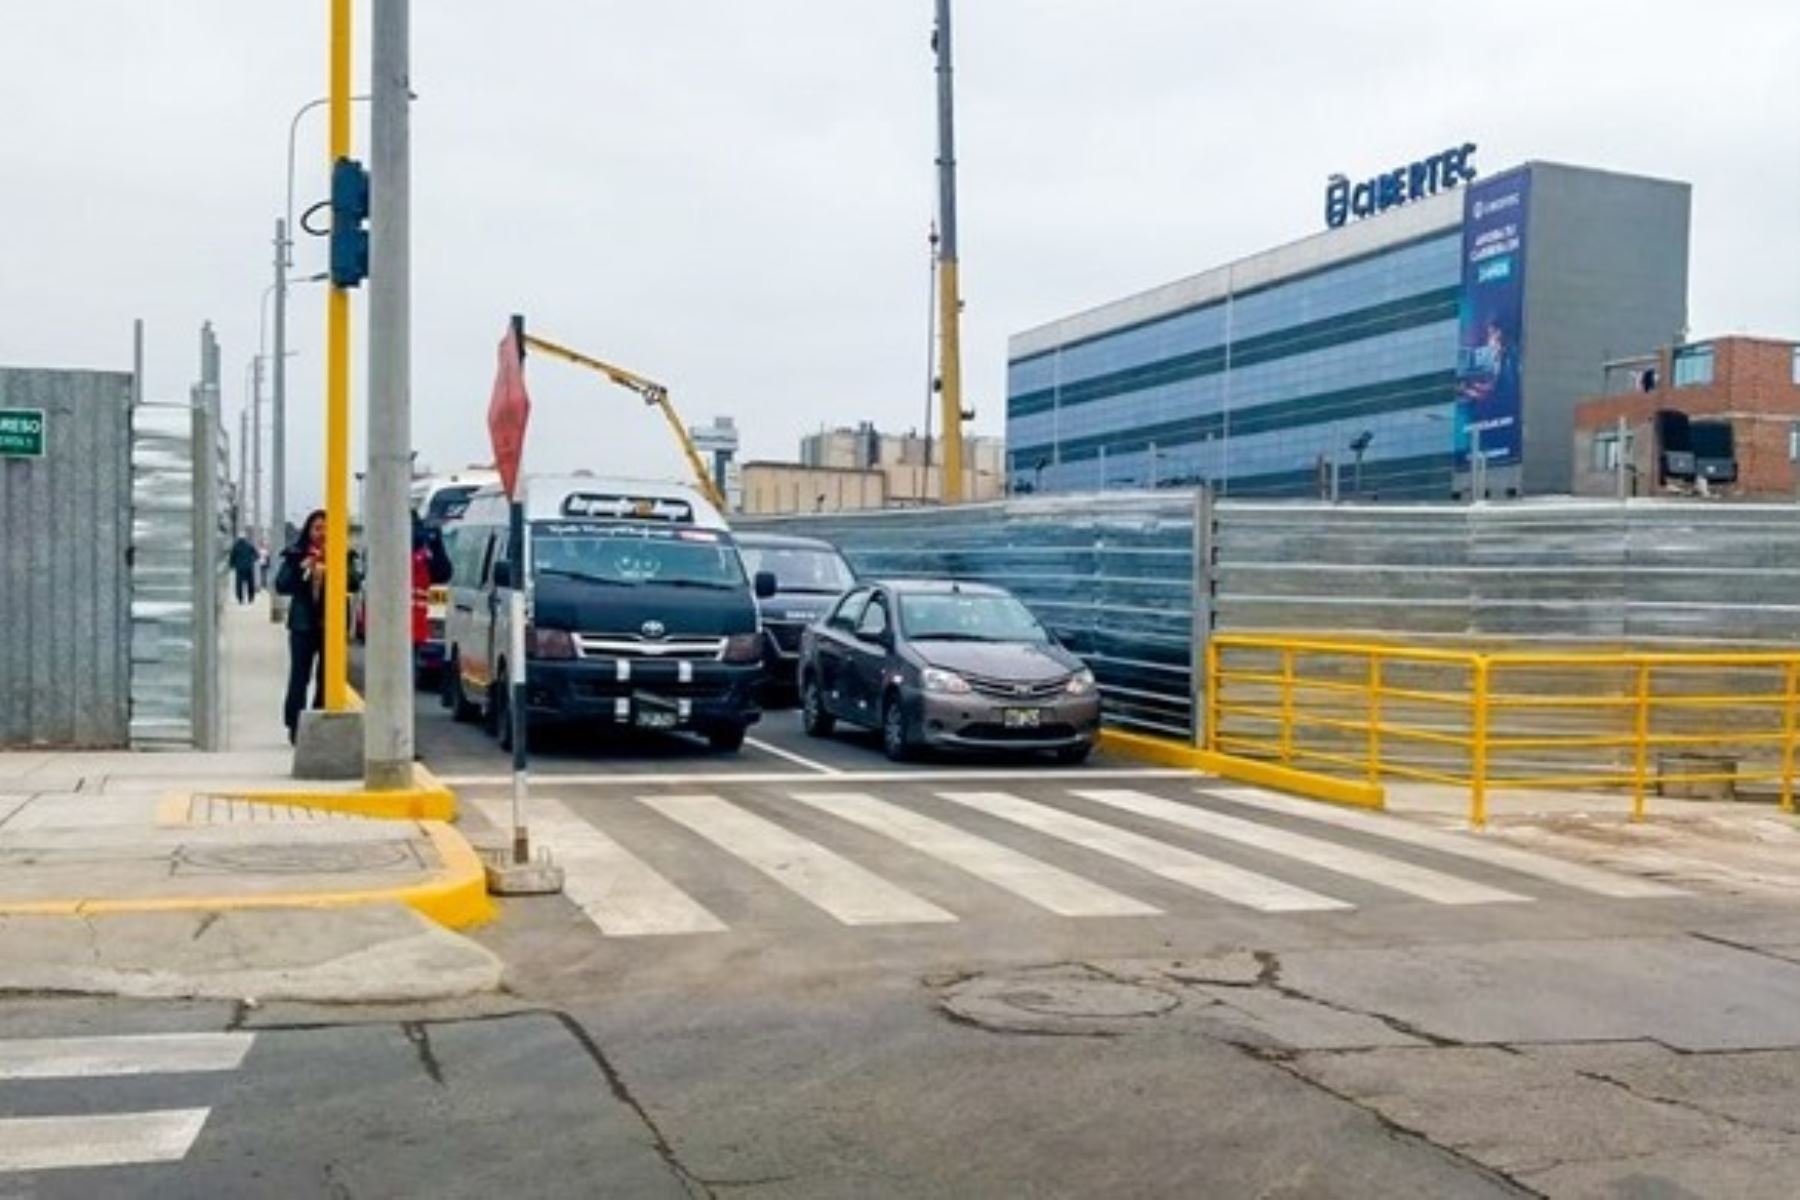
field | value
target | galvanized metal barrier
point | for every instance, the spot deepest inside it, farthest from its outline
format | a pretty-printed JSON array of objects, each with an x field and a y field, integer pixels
[
  {"x": 1489, "y": 721},
  {"x": 1113, "y": 577},
  {"x": 1137, "y": 580}
]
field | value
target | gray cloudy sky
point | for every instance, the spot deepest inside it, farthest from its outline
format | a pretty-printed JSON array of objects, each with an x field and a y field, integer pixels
[{"x": 733, "y": 197}]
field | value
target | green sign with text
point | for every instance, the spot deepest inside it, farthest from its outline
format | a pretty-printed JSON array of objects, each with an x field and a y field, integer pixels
[{"x": 21, "y": 433}]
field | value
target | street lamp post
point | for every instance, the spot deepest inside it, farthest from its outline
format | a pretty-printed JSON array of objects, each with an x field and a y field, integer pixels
[{"x": 284, "y": 258}]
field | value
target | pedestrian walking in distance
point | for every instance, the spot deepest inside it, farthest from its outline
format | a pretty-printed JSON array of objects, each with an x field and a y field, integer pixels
[
  {"x": 301, "y": 578},
  {"x": 243, "y": 566}
]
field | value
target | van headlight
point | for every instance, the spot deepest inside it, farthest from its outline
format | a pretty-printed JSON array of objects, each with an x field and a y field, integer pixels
[
  {"x": 742, "y": 648},
  {"x": 948, "y": 682},
  {"x": 1081, "y": 683}
]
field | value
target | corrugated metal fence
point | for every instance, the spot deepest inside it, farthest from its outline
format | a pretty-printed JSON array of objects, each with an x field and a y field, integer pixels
[
  {"x": 64, "y": 594},
  {"x": 1113, "y": 574}
]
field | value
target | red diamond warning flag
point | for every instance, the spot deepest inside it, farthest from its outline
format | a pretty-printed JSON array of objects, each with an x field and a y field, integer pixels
[{"x": 509, "y": 411}]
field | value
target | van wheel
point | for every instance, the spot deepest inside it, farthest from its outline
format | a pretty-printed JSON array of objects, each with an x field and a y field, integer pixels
[
  {"x": 813, "y": 717},
  {"x": 894, "y": 741},
  {"x": 728, "y": 739},
  {"x": 494, "y": 715},
  {"x": 456, "y": 700}
]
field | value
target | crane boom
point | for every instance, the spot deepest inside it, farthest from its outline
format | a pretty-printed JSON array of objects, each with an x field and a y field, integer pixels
[{"x": 654, "y": 394}]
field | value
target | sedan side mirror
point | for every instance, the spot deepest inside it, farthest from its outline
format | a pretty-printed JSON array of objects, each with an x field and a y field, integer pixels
[
  {"x": 503, "y": 574},
  {"x": 766, "y": 585}
]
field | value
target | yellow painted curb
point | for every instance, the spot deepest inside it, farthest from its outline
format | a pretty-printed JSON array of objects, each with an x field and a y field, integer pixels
[
  {"x": 426, "y": 800},
  {"x": 1301, "y": 783},
  {"x": 456, "y": 895},
  {"x": 1170, "y": 753},
  {"x": 1164, "y": 752}
]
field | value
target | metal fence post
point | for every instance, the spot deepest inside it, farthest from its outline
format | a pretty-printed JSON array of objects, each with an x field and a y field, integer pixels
[
  {"x": 1478, "y": 746},
  {"x": 1374, "y": 719},
  {"x": 1641, "y": 735},
  {"x": 206, "y": 558},
  {"x": 1200, "y": 658},
  {"x": 1787, "y": 741},
  {"x": 1287, "y": 706}
]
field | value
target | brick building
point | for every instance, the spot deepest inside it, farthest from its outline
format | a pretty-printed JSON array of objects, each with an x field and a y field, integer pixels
[{"x": 1719, "y": 417}]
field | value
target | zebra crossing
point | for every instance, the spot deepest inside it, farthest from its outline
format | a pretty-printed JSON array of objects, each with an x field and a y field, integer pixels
[
  {"x": 106, "y": 1139},
  {"x": 789, "y": 835}
]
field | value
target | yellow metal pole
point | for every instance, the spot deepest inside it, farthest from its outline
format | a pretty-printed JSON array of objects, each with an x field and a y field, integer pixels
[
  {"x": 1641, "y": 761},
  {"x": 950, "y": 377},
  {"x": 337, "y": 401},
  {"x": 1374, "y": 718},
  {"x": 1287, "y": 706},
  {"x": 1478, "y": 746},
  {"x": 1787, "y": 741}
]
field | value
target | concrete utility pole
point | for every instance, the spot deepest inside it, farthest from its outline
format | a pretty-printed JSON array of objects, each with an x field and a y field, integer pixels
[
  {"x": 256, "y": 476},
  {"x": 949, "y": 296},
  {"x": 277, "y": 530},
  {"x": 388, "y": 720}
]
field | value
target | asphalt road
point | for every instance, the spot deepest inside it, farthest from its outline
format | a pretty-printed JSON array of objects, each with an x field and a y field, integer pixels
[{"x": 799, "y": 971}]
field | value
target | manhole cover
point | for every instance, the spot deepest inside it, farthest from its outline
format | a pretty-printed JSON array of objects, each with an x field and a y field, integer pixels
[
  {"x": 1074, "y": 1000},
  {"x": 298, "y": 860}
]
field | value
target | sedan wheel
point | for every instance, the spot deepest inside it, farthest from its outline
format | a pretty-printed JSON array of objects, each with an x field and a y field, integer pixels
[
  {"x": 893, "y": 730},
  {"x": 813, "y": 717}
]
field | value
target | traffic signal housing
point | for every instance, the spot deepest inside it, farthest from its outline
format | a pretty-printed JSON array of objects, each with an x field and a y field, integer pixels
[{"x": 349, "y": 223}]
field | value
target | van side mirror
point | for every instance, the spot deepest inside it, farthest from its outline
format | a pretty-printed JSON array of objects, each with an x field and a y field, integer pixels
[
  {"x": 503, "y": 573},
  {"x": 766, "y": 585}
]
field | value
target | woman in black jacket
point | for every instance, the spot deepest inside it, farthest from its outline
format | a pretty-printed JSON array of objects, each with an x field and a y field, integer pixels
[{"x": 302, "y": 579}]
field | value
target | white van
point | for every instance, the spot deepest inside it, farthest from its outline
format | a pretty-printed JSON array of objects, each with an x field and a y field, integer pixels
[{"x": 639, "y": 610}]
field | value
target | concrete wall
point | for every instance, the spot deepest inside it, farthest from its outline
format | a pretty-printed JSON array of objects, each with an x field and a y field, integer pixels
[
  {"x": 1606, "y": 271},
  {"x": 65, "y": 524},
  {"x": 771, "y": 488}
]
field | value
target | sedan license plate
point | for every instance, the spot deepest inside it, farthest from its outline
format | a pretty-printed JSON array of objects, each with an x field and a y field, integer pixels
[
  {"x": 1023, "y": 718},
  {"x": 655, "y": 718}
]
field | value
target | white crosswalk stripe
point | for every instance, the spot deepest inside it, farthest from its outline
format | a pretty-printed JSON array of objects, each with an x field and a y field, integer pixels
[
  {"x": 838, "y": 886},
  {"x": 618, "y": 891},
  {"x": 1556, "y": 870},
  {"x": 1426, "y": 884},
  {"x": 1180, "y": 866},
  {"x": 107, "y": 1140},
  {"x": 59, "y": 1142},
  {"x": 1046, "y": 886},
  {"x": 144, "y": 1054}
]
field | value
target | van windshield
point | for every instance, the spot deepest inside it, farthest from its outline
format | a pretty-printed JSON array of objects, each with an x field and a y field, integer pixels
[
  {"x": 801, "y": 568},
  {"x": 634, "y": 556}
]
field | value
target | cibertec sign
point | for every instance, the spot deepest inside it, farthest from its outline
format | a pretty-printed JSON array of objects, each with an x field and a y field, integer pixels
[{"x": 1415, "y": 181}]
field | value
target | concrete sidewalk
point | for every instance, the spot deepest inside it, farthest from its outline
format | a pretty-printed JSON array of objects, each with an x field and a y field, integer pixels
[{"x": 193, "y": 843}]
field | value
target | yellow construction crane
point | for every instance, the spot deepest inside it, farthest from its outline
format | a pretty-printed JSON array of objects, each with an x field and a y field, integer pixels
[{"x": 654, "y": 394}]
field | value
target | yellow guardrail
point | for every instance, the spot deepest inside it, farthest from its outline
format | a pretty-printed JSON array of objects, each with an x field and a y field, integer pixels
[{"x": 1484, "y": 721}]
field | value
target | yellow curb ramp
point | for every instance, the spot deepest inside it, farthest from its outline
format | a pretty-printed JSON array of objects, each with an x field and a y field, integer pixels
[
  {"x": 427, "y": 800},
  {"x": 455, "y": 896},
  {"x": 1170, "y": 753}
]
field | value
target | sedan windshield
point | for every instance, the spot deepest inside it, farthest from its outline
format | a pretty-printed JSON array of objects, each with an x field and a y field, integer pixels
[
  {"x": 633, "y": 556},
  {"x": 801, "y": 568},
  {"x": 953, "y": 616}
]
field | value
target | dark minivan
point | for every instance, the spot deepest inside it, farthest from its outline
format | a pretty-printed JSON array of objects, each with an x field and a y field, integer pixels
[
  {"x": 640, "y": 613},
  {"x": 804, "y": 576}
]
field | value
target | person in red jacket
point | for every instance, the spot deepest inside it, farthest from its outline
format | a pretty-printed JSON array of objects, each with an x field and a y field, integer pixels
[{"x": 430, "y": 566}]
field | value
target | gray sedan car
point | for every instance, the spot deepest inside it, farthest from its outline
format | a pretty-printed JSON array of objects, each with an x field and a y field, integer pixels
[{"x": 946, "y": 665}]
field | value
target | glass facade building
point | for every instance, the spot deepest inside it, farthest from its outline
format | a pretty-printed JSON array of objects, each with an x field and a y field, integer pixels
[{"x": 1334, "y": 356}]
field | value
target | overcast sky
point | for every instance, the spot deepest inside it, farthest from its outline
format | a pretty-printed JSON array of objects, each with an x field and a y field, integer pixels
[{"x": 733, "y": 197}]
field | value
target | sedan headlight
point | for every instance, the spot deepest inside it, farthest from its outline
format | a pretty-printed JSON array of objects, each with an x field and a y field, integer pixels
[
  {"x": 1081, "y": 683},
  {"x": 949, "y": 682},
  {"x": 743, "y": 648}
]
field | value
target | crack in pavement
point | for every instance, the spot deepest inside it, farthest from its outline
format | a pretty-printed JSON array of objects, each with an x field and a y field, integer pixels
[
  {"x": 1632, "y": 1090},
  {"x": 420, "y": 1036}
]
